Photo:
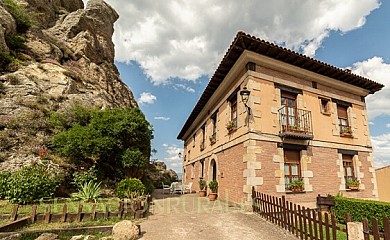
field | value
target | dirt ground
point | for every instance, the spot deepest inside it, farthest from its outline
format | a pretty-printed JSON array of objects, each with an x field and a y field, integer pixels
[{"x": 191, "y": 217}]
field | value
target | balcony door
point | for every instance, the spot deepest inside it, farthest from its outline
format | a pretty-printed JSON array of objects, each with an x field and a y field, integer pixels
[{"x": 289, "y": 110}]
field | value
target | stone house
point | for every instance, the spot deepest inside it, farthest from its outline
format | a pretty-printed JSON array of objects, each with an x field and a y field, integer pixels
[{"x": 270, "y": 116}]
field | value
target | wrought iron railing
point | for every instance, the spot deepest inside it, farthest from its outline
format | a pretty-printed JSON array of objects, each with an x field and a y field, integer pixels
[{"x": 295, "y": 122}]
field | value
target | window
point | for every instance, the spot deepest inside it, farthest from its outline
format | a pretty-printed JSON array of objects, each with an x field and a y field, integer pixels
[
  {"x": 314, "y": 84},
  {"x": 214, "y": 125},
  {"x": 325, "y": 105},
  {"x": 192, "y": 170},
  {"x": 189, "y": 155},
  {"x": 349, "y": 171},
  {"x": 292, "y": 166},
  {"x": 233, "y": 111},
  {"x": 202, "y": 169},
  {"x": 342, "y": 112},
  {"x": 193, "y": 140},
  {"x": 289, "y": 110},
  {"x": 213, "y": 136},
  {"x": 202, "y": 144}
]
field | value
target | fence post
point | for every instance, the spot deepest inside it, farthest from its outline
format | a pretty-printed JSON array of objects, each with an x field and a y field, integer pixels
[
  {"x": 284, "y": 212},
  {"x": 14, "y": 214},
  {"x": 355, "y": 231},
  {"x": 33, "y": 213}
]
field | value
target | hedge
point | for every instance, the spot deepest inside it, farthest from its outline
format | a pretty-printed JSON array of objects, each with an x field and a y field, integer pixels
[{"x": 359, "y": 209}]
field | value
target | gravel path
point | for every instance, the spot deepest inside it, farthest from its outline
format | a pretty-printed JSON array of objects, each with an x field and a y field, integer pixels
[{"x": 190, "y": 217}]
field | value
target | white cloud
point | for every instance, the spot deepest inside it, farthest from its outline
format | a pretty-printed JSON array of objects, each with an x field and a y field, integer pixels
[
  {"x": 187, "y": 39},
  {"x": 182, "y": 86},
  {"x": 381, "y": 147},
  {"x": 371, "y": 123},
  {"x": 377, "y": 70},
  {"x": 147, "y": 98},
  {"x": 388, "y": 125},
  {"x": 172, "y": 158},
  {"x": 162, "y": 118}
]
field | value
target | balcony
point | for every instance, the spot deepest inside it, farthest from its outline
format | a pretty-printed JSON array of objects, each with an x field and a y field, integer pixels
[{"x": 295, "y": 123}]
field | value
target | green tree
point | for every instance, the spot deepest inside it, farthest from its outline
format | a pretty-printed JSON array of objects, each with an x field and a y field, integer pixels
[{"x": 117, "y": 141}]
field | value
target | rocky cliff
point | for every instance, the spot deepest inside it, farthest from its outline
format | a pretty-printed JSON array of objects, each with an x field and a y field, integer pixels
[{"x": 53, "y": 53}]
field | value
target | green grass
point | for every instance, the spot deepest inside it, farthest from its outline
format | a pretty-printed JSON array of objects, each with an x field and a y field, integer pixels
[{"x": 87, "y": 223}]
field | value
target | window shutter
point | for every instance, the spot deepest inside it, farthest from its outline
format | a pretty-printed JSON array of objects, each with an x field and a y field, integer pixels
[
  {"x": 291, "y": 156},
  {"x": 342, "y": 112}
]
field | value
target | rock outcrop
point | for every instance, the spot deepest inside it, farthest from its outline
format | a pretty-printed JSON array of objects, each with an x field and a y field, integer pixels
[
  {"x": 67, "y": 57},
  {"x": 158, "y": 174}
]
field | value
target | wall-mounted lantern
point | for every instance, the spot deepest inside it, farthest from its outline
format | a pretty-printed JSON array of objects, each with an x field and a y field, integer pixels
[{"x": 245, "y": 97}]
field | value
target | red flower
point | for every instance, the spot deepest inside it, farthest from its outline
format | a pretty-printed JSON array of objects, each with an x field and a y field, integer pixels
[{"x": 42, "y": 153}]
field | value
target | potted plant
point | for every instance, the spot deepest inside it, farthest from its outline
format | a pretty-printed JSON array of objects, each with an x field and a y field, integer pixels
[
  {"x": 230, "y": 126},
  {"x": 346, "y": 131},
  {"x": 297, "y": 185},
  {"x": 294, "y": 128},
  {"x": 202, "y": 187},
  {"x": 213, "y": 185},
  {"x": 353, "y": 184}
]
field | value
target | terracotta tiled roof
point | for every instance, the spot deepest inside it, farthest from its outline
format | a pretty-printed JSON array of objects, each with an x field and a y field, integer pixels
[{"x": 245, "y": 41}]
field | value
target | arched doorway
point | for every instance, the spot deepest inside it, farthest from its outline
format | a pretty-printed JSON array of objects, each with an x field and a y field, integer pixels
[{"x": 213, "y": 170}]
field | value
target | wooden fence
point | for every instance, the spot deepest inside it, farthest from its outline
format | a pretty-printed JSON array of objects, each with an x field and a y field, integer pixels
[
  {"x": 125, "y": 209},
  {"x": 311, "y": 224}
]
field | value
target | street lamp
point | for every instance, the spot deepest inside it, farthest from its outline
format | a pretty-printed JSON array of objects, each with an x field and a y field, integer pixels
[{"x": 245, "y": 97}]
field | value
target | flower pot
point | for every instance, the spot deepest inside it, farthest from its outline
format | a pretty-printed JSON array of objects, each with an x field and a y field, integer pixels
[
  {"x": 202, "y": 193},
  {"x": 212, "y": 196},
  {"x": 296, "y": 189},
  {"x": 353, "y": 187}
]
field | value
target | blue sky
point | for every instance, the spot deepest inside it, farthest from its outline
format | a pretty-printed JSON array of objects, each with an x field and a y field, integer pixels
[{"x": 166, "y": 52}]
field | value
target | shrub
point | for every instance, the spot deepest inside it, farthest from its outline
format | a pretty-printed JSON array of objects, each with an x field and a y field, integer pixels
[
  {"x": 76, "y": 115},
  {"x": 30, "y": 184},
  {"x": 19, "y": 13},
  {"x": 117, "y": 140},
  {"x": 2, "y": 88},
  {"x": 4, "y": 185},
  {"x": 149, "y": 186},
  {"x": 5, "y": 59},
  {"x": 89, "y": 191},
  {"x": 130, "y": 186},
  {"x": 81, "y": 178},
  {"x": 359, "y": 209},
  {"x": 13, "y": 80},
  {"x": 15, "y": 42}
]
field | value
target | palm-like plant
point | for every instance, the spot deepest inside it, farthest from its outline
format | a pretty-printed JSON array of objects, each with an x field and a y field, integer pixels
[{"x": 89, "y": 191}]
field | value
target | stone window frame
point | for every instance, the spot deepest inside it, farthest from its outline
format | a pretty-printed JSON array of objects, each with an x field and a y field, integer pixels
[
  {"x": 290, "y": 162},
  {"x": 357, "y": 168}
]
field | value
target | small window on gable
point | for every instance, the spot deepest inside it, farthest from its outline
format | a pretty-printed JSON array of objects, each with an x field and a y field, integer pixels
[
  {"x": 193, "y": 140},
  {"x": 325, "y": 105},
  {"x": 314, "y": 84}
]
